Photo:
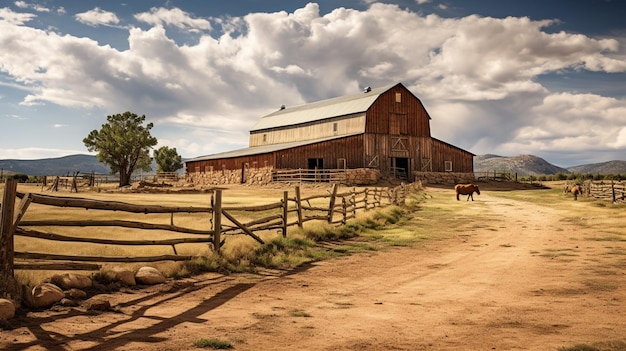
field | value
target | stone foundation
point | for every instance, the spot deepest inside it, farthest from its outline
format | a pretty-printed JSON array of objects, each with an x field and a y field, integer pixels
[
  {"x": 362, "y": 176},
  {"x": 256, "y": 176},
  {"x": 447, "y": 178},
  {"x": 262, "y": 176}
]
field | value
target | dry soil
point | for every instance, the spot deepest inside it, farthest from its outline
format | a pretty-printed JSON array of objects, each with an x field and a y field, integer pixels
[{"x": 527, "y": 281}]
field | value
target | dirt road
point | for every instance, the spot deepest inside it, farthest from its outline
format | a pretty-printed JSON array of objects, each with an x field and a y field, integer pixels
[{"x": 524, "y": 280}]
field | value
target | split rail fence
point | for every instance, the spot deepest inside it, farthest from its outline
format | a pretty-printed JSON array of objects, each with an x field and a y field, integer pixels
[
  {"x": 614, "y": 191},
  {"x": 219, "y": 221}
]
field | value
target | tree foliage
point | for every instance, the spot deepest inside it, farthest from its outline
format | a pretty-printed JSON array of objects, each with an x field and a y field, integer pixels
[
  {"x": 123, "y": 143},
  {"x": 167, "y": 159}
]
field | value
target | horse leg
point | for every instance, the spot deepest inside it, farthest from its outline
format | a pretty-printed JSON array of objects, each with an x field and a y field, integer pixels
[
  {"x": 470, "y": 195},
  {"x": 457, "y": 197}
]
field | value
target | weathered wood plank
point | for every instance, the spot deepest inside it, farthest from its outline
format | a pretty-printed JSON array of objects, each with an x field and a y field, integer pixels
[
  {"x": 90, "y": 204},
  {"x": 59, "y": 237},
  {"x": 55, "y": 257},
  {"x": 113, "y": 223}
]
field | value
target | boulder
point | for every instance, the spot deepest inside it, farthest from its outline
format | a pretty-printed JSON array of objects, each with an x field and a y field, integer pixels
[
  {"x": 125, "y": 277},
  {"x": 45, "y": 295},
  {"x": 149, "y": 276},
  {"x": 7, "y": 309},
  {"x": 76, "y": 294},
  {"x": 98, "y": 304},
  {"x": 71, "y": 280}
]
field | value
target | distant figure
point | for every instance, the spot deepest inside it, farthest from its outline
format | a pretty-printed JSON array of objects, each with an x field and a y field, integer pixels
[
  {"x": 576, "y": 190},
  {"x": 466, "y": 189}
]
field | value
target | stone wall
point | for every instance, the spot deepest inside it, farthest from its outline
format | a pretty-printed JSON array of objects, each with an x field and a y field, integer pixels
[
  {"x": 362, "y": 176},
  {"x": 260, "y": 176},
  {"x": 443, "y": 177}
]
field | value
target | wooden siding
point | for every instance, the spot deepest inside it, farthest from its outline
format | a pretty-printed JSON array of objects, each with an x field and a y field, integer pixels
[
  {"x": 407, "y": 117},
  {"x": 317, "y": 130},
  {"x": 254, "y": 161},
  {"x": 348, "y": 148},
  {"x": 462, "y": 161}
]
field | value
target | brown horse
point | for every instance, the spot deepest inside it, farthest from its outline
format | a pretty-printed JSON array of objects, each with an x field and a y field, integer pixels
[
  {"x": 466, "y": 189},
  {"x": 576, "y": 190}
]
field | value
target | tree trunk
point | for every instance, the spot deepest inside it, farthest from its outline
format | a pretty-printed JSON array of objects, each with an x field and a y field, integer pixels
[{"x": 124, "y": 178}]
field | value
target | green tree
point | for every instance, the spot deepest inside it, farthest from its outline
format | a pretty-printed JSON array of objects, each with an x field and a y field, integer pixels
[
  {"x": 167, "y": 159},
  {"x": 123, "y": 143}
]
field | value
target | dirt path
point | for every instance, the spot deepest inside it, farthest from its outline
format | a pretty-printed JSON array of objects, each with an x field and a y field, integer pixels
[{"x": 526, "y": 280}]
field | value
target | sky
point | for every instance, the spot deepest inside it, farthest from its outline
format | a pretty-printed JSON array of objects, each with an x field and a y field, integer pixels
[{"x": 503, "y": 77}]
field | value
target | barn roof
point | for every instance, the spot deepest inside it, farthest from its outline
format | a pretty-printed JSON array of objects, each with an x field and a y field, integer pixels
[
  {"x": 335, "y": 107},
  {"x": 263, "y": 149}
]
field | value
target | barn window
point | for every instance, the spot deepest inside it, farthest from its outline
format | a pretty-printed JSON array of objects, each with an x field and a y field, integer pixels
[
  {"x": 254, "y": 164},
  {"x": 398, "y": 97},
  {"x": 265, "y": 138},
  {"x": 335, "y": 127},
  {"x": 448, "y": 166},
  {"x": 197, "y": 169},
  {"x": 341, "y": 163}
]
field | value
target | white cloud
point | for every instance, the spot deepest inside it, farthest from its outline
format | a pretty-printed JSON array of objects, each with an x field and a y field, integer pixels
[
  {"x": 14, "y": 18},
  {"x": 36, "y": 7},
  {"x": 173, "y": 17},
  {"x": 97, "y": 17},
  {"x": 478, "y": 77}
]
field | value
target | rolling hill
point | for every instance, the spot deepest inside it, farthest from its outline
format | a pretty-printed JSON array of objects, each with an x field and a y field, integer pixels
[
  {"x": 60, "y": 166},
  {"x": 533, "y": 165},
  {"x": 522, "y": 165}
]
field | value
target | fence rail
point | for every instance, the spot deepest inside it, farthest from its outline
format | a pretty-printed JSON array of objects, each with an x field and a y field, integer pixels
[
  {"x": 335, "y": 208},
  {"x": 310, "y": 175},
  {"x": 613, "y": 190}
]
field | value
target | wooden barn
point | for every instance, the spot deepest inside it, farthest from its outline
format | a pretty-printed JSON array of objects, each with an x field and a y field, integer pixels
[{"x": 387, "y": 129}]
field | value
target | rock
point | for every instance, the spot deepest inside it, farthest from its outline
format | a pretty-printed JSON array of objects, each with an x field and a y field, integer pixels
[
  {"x": 7, "y": 309},
  {"x": 76, "y": 294},
  {"x": 45, "y": 295},
  {"x": 149, "y": 276},
  {"x": 71, "y": 280},
  {"x": 68, "y": 302},
  {"x": 126, "y": 277},
  {"x": 98, "y": 305}
]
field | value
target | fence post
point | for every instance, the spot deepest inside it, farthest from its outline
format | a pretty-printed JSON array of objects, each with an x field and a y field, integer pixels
[
  {"x": 613, "y": 189},
  {"x": 354, "y": 202},
  {"x": 217, "y": 220},
  {"x": 299, "y": 206},
  {"x": 366, "y": 196},
  {"x": 344, "y": 207},
  {"x": 8, "y": 285},
  {"x": 331, "y": 206},
  {"x": 285, "y": 212}
]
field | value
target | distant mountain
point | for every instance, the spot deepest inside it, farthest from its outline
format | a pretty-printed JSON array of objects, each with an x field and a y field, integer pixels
[
  {"x": 610, "y": 167},
  {"x": 533, "y": 165},
  {"x": 56, "y": 166},
  {"x": 522, "y": 165}
]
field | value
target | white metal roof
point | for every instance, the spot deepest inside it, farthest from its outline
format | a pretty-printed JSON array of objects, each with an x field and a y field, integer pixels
[
  {"x": 257, "y": 150},
  {"x": 340, "y": 106}
]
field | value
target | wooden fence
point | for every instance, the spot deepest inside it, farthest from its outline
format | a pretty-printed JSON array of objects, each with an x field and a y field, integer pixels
[
  {"x": 611, "y": 190},
  {"x": 309, "y": 175},
  {"x": 335, "y": 207}
]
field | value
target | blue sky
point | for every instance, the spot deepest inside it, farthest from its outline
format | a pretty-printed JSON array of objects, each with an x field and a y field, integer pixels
[{"x": 504, "y": 77}]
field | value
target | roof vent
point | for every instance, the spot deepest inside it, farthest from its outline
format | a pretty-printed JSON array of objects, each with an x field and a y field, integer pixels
[
  {"x": 367, "y": 89},
  {"x": 282, "y": 107}
]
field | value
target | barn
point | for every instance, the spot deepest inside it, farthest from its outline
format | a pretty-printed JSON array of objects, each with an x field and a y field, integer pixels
[{"x": 384, "y": 130}]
